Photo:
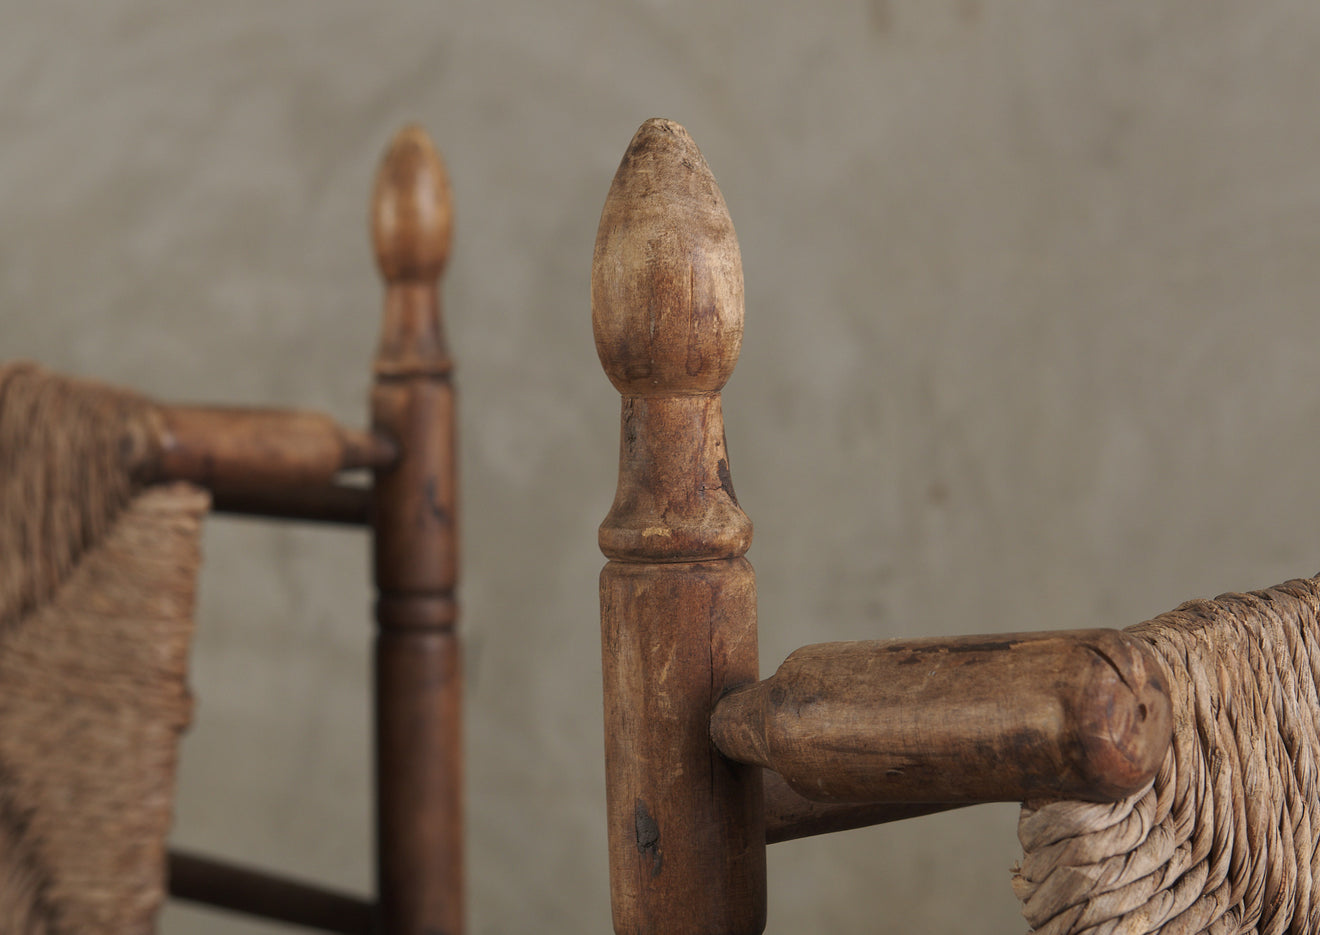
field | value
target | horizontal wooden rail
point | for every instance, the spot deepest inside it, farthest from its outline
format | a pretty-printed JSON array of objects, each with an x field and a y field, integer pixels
[
  {"x": 331, "y": 503},
  {"x": 1082, "y": 714},
  {"x": 238, "y": 889},
  {"x": 789, "y": 815}
]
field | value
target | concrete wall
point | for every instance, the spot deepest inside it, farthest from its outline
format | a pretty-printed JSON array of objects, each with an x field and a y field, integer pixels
[{"x": 1031, "y": 332}]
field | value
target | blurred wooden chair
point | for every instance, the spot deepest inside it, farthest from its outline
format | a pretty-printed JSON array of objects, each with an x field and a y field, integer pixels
[
  {"x": 103, "y": 493},
  {"x": 1168, "y": 771}
]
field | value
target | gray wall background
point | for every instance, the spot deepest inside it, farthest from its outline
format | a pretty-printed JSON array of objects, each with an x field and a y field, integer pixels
[{"x": 1031, "y": 341}]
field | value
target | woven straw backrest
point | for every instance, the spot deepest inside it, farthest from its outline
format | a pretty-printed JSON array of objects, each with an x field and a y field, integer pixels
[
  {"x": 1226, "y": 837},
  {"x": 96, "y": 597}
]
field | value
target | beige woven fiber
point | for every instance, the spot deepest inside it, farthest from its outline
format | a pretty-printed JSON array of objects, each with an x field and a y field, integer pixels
[
  {"x": 1225, "y": 839},
  {"x": 97, "y": 588}
]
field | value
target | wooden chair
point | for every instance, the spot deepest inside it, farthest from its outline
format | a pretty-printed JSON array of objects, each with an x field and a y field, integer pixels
[
  {"x": 299, "y": 465},
  {"x": 706, "y": 763}
]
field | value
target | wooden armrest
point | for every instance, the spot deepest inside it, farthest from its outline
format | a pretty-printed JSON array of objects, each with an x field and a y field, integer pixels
[
  {"x": 267, "y": 462},
  {"x": 242, "y": 450},
  {"x": 1082, "y": 714}
]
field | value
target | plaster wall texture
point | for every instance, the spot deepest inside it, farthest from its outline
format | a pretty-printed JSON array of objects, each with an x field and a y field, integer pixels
[{"x": 1031, "y": 338}]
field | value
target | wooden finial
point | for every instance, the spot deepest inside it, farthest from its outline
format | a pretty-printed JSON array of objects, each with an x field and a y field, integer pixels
[
  {"x": 666, "y": 277},
  {"x": 411, "y": 213},
  {"x": 667, "y": 312},
  {"x": 411, "y": 223},
  {"x": 419, "y": 681}
]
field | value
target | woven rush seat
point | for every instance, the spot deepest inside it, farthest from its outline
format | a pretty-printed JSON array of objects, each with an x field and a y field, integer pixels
[{"x": 1224, "y": 839}]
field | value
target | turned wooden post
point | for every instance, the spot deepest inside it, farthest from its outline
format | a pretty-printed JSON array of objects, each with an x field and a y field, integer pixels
[
  {"x": 678, "y": 599},
  {"x": 418, "y": 674}
]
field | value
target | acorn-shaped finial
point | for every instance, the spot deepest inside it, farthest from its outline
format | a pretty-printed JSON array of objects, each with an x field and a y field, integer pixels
[
  {"x": 411, "y": 212},
  {"x": 667, "y": 311},
  {"x": 666, "y": 276}
]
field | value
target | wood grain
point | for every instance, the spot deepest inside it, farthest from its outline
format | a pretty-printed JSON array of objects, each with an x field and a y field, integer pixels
[
  {"x": 678, "y": 600},
  {"x": 1079, "y": 714}
]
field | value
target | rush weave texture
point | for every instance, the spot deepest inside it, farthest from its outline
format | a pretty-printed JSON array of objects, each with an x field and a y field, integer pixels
[
  {"x": 1226, "y": 837},
  {"x": 97, "y": 586}
]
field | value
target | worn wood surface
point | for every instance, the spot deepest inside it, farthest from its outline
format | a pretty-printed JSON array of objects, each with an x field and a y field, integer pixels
[
  {"x": 418, "y": 669},
  {"x": 678, "y": 600},
  {"x": 1080, "y": 714}
]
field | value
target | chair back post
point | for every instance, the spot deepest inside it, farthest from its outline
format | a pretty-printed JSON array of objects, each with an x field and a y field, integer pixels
[
  {"x": 678, "y": 599},
  {"x": 418, "y": 689}
]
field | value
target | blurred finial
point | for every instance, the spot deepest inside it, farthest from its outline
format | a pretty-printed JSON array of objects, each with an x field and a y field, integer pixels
[
  {"x": 411, "y": 213},
  {"x": 666, "y": 277}
]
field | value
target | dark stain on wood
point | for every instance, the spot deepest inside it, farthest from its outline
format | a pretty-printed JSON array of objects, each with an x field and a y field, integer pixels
[
  {"x": 434, "y": 502},
  {"x": 648, "y": 837},
  {"x": 726, "y": 479}
]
